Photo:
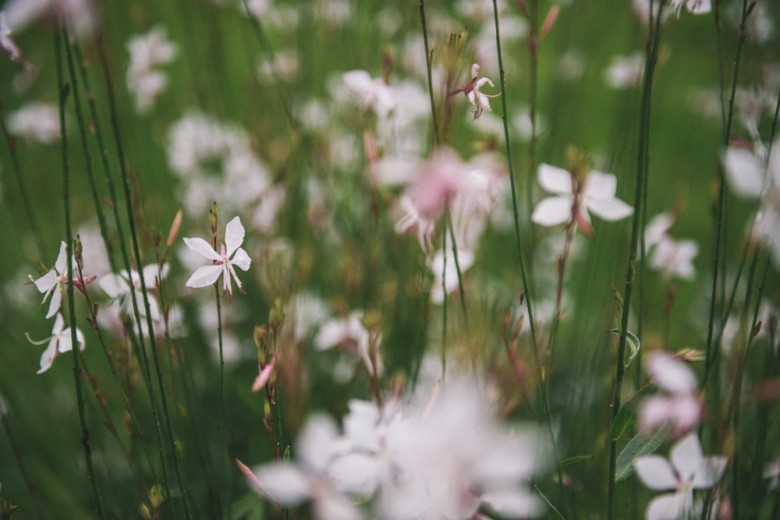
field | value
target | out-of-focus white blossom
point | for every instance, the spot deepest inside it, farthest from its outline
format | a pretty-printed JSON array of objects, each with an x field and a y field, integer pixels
[
  {"x": 39, "y": 122},
  {"x": 145, "y": 80},
  {"x": 625, "y": 71},
  {"x": 678, "y": 404}
]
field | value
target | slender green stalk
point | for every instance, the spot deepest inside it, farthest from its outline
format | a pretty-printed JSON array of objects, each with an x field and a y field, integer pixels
[
  {"x": 63, "y": 93},
  {"x": 639, "y": 198},
  {"x": 456, "y": 259},
  {"x": 428, "y": 59},
  {"x": 222, "y": 419},
  {"x": 144, "y": 290}
]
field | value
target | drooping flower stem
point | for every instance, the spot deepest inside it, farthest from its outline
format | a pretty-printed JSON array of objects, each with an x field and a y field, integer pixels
[
  {"x": 145, "y": 297},
  {"x": 63, "y": 93},
  {"x": 636, "y": 230}
]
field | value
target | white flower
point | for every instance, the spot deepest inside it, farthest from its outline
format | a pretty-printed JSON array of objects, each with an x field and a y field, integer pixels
[
  {"x": 59, "y": 343},
  {"x": 446, "y": 279},
  {"x": 350, "y": 334},
  {"x": 693, "y": 6},
  {"x": 625, "y": 71},
  {"x": 222, "y": 261},
  {"x": 144, "y": 80},
  {"x": 49, "y": 284},
  {"x": 575, "y": 199},
  {"x": 478, "y": 99},
  {"x": 678, "y": 404},
  {"x": 119, "y": 287},
  {"x": 675, "y": 257},
  {"x": 689, "y": 470},
  {"x": 38, "y": 122},
  {"x": 371, "y": 94}
]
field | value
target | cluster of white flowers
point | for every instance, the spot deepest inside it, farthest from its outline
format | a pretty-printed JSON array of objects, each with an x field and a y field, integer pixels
[
  {"x": 145, "y": 80},
  {"x": 215, "y": 161},
  {"x": 445, "y": 457}
]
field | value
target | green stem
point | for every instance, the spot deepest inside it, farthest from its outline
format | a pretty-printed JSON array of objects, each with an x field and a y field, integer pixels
[
  {"x": 222, "y": 420},
  {"x": 639, "y": 198},
  {"x": 63, "y": 93}
]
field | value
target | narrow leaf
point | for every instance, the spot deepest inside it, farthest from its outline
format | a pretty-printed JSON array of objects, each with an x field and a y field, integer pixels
[{"x": 641, "y": 444}]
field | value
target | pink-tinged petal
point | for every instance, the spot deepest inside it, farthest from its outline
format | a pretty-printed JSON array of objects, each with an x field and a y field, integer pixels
[
  {"x": 655, "y": 411},
  {"x": 356, "y": 473},
  {"x": 555, "y": 180},
  {"x": 744, "y": 172},
  {"x": 46, "y": 282},
  {"x": 234, "y": 236},
  {"x": 154, "y": 307},
  {"x": 203, "y": 248},
  {"x": 667, "y": 507},
  {"x": 204, "y": 276},
  {"x": 552, "y": 211},
  {"x": 241, "y": 259},
  {"x": 710, "y": 472},
  {"x": 483, "y": 81},
  {"x": 263, "y": 377},
  {"x": 114, "y": 285},
  {"x": 55, "y": 303},
  {"x": 686, "y": 456},
  {"x": 474, "y": 71},
  {"x": 657, "y": 227},
  {"x": 610, "y": 209},
  {"x": 671, "y": 374},
  {"x": 285, "y": 483},
  {"x": 256, "y": 483},
  {"x": 655, "y": 472},
  {"x": 600, "y": 185},
  {"x": 59, "y": 265}
]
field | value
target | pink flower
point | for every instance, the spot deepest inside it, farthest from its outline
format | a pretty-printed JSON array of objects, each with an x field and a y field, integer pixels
[
  {"x": 479, "y": 100},
  {"x": 230, "y": 254},
  {"x": 6, "y": 43},
  {"x": 678, "y": 404}
]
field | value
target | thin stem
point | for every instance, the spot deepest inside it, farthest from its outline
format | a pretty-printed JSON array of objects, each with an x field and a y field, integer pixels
[
  {"x": 63, "y": 93},
  {"x": 639, "y": 198},
  {"x": 428, "y": 59},
  {"x": 223, "y": 422}
]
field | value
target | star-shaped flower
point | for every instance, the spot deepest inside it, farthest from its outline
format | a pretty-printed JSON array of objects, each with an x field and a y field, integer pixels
[
  {"x": 51, "y": 283},
  {"x": 575, "y": 197},
  {"x": 479, "y": 100},
  {"x": 230, "y": 253},
  {"x": 689, "y": 470},
  {"x": 120, "y": 286}
]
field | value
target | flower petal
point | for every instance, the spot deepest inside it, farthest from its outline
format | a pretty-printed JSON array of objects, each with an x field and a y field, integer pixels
[
  {"x": 744, "y": 172},
  {"x": 114, "y": 285},
  {"x": 600, "y": 185},
  {"x": 55, "y": 303},
  {"x": 241, "y": 259},
  {"x": 686, "y": 456},
  {"x": 610, "y": 209},
  {"x": 284, "y": 483},
  {"x": 234, "y": 236},
  {"x": 46, "y": 282},
  {"x": 59, "y": 265},
  {"x": 655, "y": 472},
  {"x": 204, "y": 276},
  {"x": 552, "y": 211},
  {"x": 710, "y": 472},
  {"x": 666, "y": 507},
  {"x": 202, "y": 247},
  {"x": 555, "y": 180},
  {"x": 47, "y": 358}
]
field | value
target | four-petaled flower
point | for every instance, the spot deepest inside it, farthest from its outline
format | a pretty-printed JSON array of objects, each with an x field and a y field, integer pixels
[
  {"x": 689, "y": 470},
  {"x": 479, "y": 100},
  {"x": 121, "y": 286},
  {"x": 60, "y": 342},
  {"x": 50, "y": 283},
  {"x": 575, "y": 197},
  {"x": 222, "y": 263}
]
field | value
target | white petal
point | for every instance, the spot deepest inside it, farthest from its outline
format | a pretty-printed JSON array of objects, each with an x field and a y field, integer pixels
[
  {"x": 47, "y": 358},
  {"x": 687, "y": 457},
  {"x": 356, "y": 473},
  {"x": 202, "y": 247},
  {"x": 552, "y": 211},
  {"x": 610, "y": 209},
  {"x": 316, "y": 442},
  {"x": 554, "y": 179},
  {"x": 55, "y": 303},
  {"x": 744, "y": 171},
  {"x": 666, "y": 507},
  {"x": 670, "y": 373},
  {"x": 204, "y": 276},
  {"x": 46, "y": 282},
  {"x": 241, "y": 259},
  {"x": 234, "y": 236},
  {"x": 655, "y": 472},
  {"x": 600, "y": 185},
  {"x": 333, "y": 506},
  {"x": 59, "y": 265},
  {"x": 513, "y": 503},
  {"x": 114, "y": 285},
  {"x": 152, "y": 275},
  {"x": 710, "y": 472},
  {"x": 285, "y": 483}
]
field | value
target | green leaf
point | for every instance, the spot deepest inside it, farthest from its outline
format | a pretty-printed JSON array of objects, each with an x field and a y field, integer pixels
[
  {"x": 642, "y": 444},
  {"x": 575, "y": 460},
  {"x": 549, "y": 504},
  {"x": 627, "y": 414},
  {"x": 633, "y": 344}
]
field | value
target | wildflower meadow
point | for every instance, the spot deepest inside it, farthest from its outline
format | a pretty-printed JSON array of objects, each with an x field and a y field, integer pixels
[{"x": 390, "y": 260}]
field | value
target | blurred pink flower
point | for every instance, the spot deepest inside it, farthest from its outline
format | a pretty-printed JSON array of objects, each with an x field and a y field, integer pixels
[
  {"x": 689, "y": 470},
  {"x": 678, "y": 404},
  {"x": 222, "y": 263}
]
